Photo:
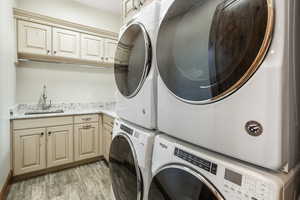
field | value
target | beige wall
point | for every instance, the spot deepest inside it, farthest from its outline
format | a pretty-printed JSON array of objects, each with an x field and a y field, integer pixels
[
  {"x": 67, "y": 83},
  {"x": 7, "y": 83}
]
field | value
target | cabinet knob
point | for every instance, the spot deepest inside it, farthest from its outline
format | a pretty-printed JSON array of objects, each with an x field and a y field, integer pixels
[
  {"x": 106, "y": 58},
  {"x": 42, "y": 133},
  {"x": 141, "y": 3},
  {"x": 49, "y": 133},
  {"x": 48, "y": 51},
  {"x": 102, "y": 58},
  {"x": 111, "y": 133},
  {"x": 54, "y": 52}
]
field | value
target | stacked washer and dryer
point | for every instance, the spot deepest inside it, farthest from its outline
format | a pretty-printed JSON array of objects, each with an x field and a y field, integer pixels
[
  {"x": 134, "y": 132},
  {"x": 227, "y": 102}
]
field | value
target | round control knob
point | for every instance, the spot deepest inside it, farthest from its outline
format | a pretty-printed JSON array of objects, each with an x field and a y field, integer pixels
[{"x": 254, "y": 128}]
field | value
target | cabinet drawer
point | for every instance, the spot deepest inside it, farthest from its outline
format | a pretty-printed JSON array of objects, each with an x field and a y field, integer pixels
[
  {"x": 86, "y": 118},
  {"x": 108, "y": 120},
  {"x": 41, "y": 122}
]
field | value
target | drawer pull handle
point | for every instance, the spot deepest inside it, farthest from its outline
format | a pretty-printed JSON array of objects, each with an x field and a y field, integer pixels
[
  {"x": 87, "y": 127},
  {"x": 87, "y": 119},
  {"x": 49, "y": 133}
]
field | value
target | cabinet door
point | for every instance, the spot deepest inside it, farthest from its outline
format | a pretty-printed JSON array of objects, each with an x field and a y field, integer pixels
[
  {"x": 92, "y": 48},
  {"x": 100, "y": 137},
  {"x": 110, "y": 50},
  {"x": 29, "y": 150},
  {"x": 66, "y": 43},
  {"x": 59, "y": 145},
  {"x": 130, "y": 7},
  {"x": 86, "y": 141},
  {"x": 34, "y": 38},
  {"x": 107, "y": 140}
]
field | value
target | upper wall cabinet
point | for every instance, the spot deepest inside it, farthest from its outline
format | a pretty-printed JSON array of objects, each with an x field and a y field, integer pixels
[
  {"x": 34, "y": 38},
  {"x": 43, "y": 38},
  {"x": 110, "y": 50},
  {"x": 66, "y": 43},
  {"x": 132, "y": 7},
  {"x": 92, "y": 48}
]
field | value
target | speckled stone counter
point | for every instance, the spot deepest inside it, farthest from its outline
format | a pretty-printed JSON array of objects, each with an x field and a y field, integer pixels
[{"x": 18, "y": 111}]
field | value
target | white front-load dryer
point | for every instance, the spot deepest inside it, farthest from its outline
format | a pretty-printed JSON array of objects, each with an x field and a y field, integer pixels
[
  {"x": 135, "y": 75},
  {"x": 229, "y": 77},
  {"x": 130, "y": 161},
  {"x": 183, "y": 171}
]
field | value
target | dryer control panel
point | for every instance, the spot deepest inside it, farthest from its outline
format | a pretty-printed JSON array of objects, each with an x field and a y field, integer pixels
[{"x": 235, "y": 185}]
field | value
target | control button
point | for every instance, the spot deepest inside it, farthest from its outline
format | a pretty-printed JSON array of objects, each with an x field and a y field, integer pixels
[{"x": 214, "y": 168}]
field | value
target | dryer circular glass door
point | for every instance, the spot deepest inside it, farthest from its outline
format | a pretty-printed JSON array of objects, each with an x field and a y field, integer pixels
[
  {"x": 207, "y": 49},
  {"x": 178, "y": 183},
  {"x": 132, "y": 60},
  {"x": 127, "y": 182}
]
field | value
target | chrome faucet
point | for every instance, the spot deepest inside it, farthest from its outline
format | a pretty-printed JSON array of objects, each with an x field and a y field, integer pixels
[{"x": 43, "y": 100}]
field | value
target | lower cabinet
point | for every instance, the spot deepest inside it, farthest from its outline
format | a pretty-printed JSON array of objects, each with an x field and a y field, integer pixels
[
  {"x": 29, "y": 150},
  {"x": 86, "y": 141},
  {"x": 107, "y": 139},
  {"x": 61, "y": 141},
  {"x": 59, "y": 145}
]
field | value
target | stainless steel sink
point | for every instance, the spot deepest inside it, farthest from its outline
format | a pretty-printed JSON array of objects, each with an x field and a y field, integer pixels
[{"x": 41, "y": 112}]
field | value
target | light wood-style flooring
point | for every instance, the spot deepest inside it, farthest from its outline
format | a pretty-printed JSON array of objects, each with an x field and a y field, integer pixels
[{"x": 86, "y": 182}]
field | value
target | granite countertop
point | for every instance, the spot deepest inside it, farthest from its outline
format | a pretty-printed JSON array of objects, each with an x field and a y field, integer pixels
[{"x": 18, "y": 111}]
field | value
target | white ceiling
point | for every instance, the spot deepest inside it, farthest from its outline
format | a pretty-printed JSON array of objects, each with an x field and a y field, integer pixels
[{"x": 113, "y": 6}]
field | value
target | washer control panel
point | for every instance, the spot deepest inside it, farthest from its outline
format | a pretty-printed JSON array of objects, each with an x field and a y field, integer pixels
[
  {"x": 240, "y": 187},
  {"x": 197, "y": 161}
]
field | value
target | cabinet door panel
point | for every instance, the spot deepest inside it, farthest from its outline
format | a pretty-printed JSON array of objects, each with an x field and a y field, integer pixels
[
  {"x": 34, "y": 38},
  {"x": 60, "y": 145},
  {"x": 86, "y": 141},
  {"x": 110, "y": 50},
  {"x": 29, "y": 150},
  {"x": 66, "y": 43},
  {"x": 92, "y": 48},
  {"x": 100, "y": 139}
]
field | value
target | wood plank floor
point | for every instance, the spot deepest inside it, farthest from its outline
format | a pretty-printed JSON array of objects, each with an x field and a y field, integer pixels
[{"x": 86, "y": 182}]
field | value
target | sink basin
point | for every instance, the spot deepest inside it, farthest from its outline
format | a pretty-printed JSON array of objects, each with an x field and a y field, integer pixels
[{"x": 40, "y": 112}]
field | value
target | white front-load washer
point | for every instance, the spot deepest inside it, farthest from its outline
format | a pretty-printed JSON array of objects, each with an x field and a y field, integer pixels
[
  {"x": 183, "y": 171},
  {"x": 130, "y": 161},
  {"x": 229, "y": 77},
  {"x": 135, "y": 75}
]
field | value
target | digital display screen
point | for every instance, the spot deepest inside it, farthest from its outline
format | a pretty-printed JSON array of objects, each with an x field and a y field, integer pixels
[{"x": 233, "y": 177}]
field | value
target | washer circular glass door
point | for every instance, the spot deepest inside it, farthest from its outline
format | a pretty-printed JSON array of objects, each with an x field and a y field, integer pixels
[
  {"x": 126, "y": 177},
  {"x": 132, "y": 60},
  {"x": 207, "y": 49},
  {"x": 176, "y": 182}
]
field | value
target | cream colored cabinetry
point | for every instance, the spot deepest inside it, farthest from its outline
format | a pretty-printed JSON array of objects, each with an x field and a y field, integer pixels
[
  {"x": 132, "y": 7},
  {"x": 34, "y": 38},
  {"x": 29, "y": 150},
  {"x": 43, "y": 143},
  {"x": 66, "y": 43},
  {"x": 59, "y": 145},
  {"x": 110, "y": 50},
  {"x": 92, "y": 48},
  {"x": 42, "y": 38},
  {"x": 86, "y": 141},
  {"x": 108, "y": 123},
  {"x": 100, "y": 138}
]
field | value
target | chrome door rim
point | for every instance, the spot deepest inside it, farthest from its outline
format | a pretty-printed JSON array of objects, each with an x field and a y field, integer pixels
[
  {"x": 138, "y": 173},
  {"x": 252, "y": 69},
  {"x": 148, "y": 57},
  {"x": 193, "y": 172}
]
